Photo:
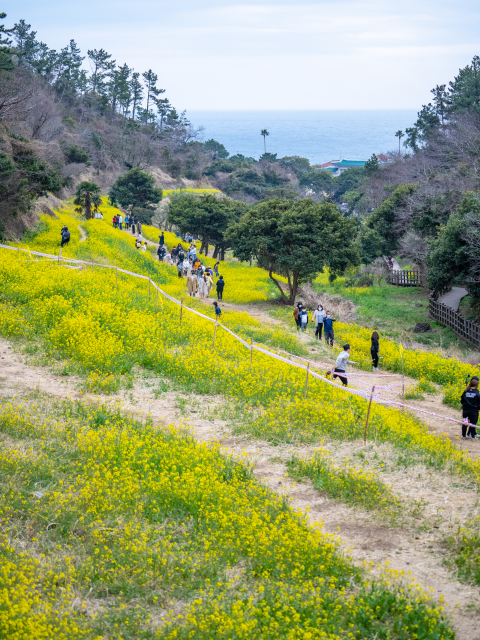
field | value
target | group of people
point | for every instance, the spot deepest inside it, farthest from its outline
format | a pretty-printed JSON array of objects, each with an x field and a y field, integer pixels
[
  {"x": 323, "y": 321},
  {"x": 129, "y": 222}
]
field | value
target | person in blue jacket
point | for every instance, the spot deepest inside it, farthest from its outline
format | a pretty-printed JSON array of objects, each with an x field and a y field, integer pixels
[{"x": 328, "y": 328}]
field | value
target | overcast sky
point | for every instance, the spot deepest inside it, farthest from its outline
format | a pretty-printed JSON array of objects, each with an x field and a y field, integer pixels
[{"x": 273, "y": 54}]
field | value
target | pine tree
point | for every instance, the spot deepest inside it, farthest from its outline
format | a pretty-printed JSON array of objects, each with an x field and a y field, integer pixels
[
  {"x": 136, "y": 92},
  {"x": 6, "y": 51},
  {"x": 150, "y": 79},
  {"x": 101, "y": 66}
]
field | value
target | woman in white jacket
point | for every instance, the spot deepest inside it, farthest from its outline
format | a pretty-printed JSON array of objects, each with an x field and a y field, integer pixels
[
  {"x": 203, "y": 287},
  {"x": 318, "y": 316}
]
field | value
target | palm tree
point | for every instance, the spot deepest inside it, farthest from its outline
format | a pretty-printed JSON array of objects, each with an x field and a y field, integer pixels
[
  {"x": 399, "y": 135},
  {"x": 264, "y": 133},
  {"x": 86, "y": 195}
]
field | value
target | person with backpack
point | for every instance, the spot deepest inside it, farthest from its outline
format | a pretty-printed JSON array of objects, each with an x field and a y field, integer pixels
[
  {"x": 317, "y": 318},
  {"x": 215, "y": 268},
  {"x": 341, "y": 365},
  {"x": 220, "y": 286},
  {"x": 65, "y": 235},
  {"x": 470, "y": 401},
  {"x": 218, "y": 311},
  {"x": 304, "y": 318},
  {"x": 375, "y": 349},
  {"x": 328, "y": 326}
]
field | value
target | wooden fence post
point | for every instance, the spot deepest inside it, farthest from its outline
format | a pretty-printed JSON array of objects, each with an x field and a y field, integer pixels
[
  {"x": 306, "y": 382},
  {"x": 368, "y": 415}
]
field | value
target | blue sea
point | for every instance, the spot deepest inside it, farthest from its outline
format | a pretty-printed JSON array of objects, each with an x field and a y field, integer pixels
[{"x": 319, "y": 136}]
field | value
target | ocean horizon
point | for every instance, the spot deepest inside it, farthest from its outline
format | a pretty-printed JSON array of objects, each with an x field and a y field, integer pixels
[{"x": 319, "y": 136}]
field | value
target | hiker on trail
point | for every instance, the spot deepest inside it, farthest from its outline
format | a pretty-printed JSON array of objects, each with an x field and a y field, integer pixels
[
  {"x": 133, "y": 225},
  {"x": 341, "y": 365},
  {"x": 114, "y": 221},
  {"x": 471, "y": 404},
  {"x": 375, "y": 349},
  {"x": 196, "y": 266},
  {"x": 65, "y": 235},
  {"x": 139, "y": 228},
  {"x": 192, "y": 284},
  {"x": 127, "y": 222},
  {"x": 186, "y": 266},
  {"x": 215, "y": 268},
  {"x": 304, "y": 318},
  {"x": 220, "y": 286},
  {"x": 144, "y": 247},
  {"x": 203, "y": 287},
  {"x": 209, "y": 279},
  {"x": 138, "y": 244},
  {"x": 180, "y": 269},
  {"x": 296, "y": 315},
  {"x": 160, "y": 253},
  {"x": 318, "y": 316},
  {"x": 162, "y": 239},
  {"x": 120, "y": 221},
  {"x": 218, "y": 311},
  {"x": 328, "y": 326}
]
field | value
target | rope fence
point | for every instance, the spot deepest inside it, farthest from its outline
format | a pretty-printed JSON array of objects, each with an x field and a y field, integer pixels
[{"x": 365, "y": 394}]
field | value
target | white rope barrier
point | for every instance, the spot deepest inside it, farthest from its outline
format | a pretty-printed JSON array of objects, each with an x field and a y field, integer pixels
[{"x": 365, "y": 394}]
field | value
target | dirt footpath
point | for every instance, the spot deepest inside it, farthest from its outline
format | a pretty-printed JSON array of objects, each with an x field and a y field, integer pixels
[{"x": 365, "y": 538}]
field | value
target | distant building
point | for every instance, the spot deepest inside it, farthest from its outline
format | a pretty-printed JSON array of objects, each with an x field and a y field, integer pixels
[{"x": 337, "y": 167}]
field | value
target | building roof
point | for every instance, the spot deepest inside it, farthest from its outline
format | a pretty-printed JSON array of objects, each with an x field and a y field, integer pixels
[{"x": 348, "y": 163}]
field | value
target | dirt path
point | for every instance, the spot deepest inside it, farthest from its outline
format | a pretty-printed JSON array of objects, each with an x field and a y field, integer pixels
[
  {"x": 365, "y": 538},
  {"x": 83, "y": 235},
  {"x": 453, "y": 297}
]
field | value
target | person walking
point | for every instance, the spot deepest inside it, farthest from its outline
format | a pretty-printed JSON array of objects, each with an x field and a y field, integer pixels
[
  {"x": 209, "y": 279},
  {"x": 127, "y": 222},
  {"x": 180, "y": 269},
  {"x": 470, "y": 404},
  {"x": 328, "y": 326},
  {"x": 114, "y": 221},
  {"x": 138, "y": 244},
  {"x": 341, "y": 365},
  {"x": 192, "y": 284},
  {"x": 139, "y": 228},
  {"x": 304, "y": 318},
  {"x": 162, "y": 238},
  {"x": 203, "y": 287},
  {"x": 296, "y": 315},
  {"x": 120, "y": 221},
  {"x": 215, "y": 268},
  {"x": 375, "y": 349},
  {"x": 317, "y": 318},
  {"x": 65, "y": 235},
  {"x": 220, "y": 286},
  {"x": 133, "y": 225},
  {"x": 218, "y": 311}
]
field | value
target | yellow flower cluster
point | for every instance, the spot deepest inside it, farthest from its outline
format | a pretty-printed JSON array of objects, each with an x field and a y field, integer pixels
[
  {"x": 132, "y": 519},
  {"x": 169, "y": 192}
]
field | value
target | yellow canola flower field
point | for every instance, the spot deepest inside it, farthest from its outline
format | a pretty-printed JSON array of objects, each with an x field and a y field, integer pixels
[
  {"x": 104, "y": 330},
  {"x": 169, "y": 192},
  {"x": 120, "y": 529},
  {"x": 107, "y": 245}
]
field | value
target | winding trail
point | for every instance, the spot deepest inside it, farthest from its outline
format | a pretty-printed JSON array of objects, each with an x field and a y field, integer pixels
[
  {"x": 453, "y": 297},
  {"x": 419, "y": 553}
]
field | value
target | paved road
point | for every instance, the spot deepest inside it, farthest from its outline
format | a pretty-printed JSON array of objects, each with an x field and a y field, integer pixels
[{"x": 452, "y": 298}]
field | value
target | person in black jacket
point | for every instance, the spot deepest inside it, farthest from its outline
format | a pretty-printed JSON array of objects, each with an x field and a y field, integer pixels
[
  {"x": 220, "y": 285},
  {"x": 471, "y": 404},
  {"x": 375, "y": 349}
]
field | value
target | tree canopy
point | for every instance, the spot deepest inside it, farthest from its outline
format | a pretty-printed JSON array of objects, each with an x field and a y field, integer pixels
[
  {"x": 87, "y": 195},
  {"x": 136, "y": 189},
  {"x": 295, "y": 239},
  {"x": 208, "y": 216}
]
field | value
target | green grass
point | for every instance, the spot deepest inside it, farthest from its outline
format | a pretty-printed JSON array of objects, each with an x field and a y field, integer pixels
[{"x": 392, "y": 310}]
